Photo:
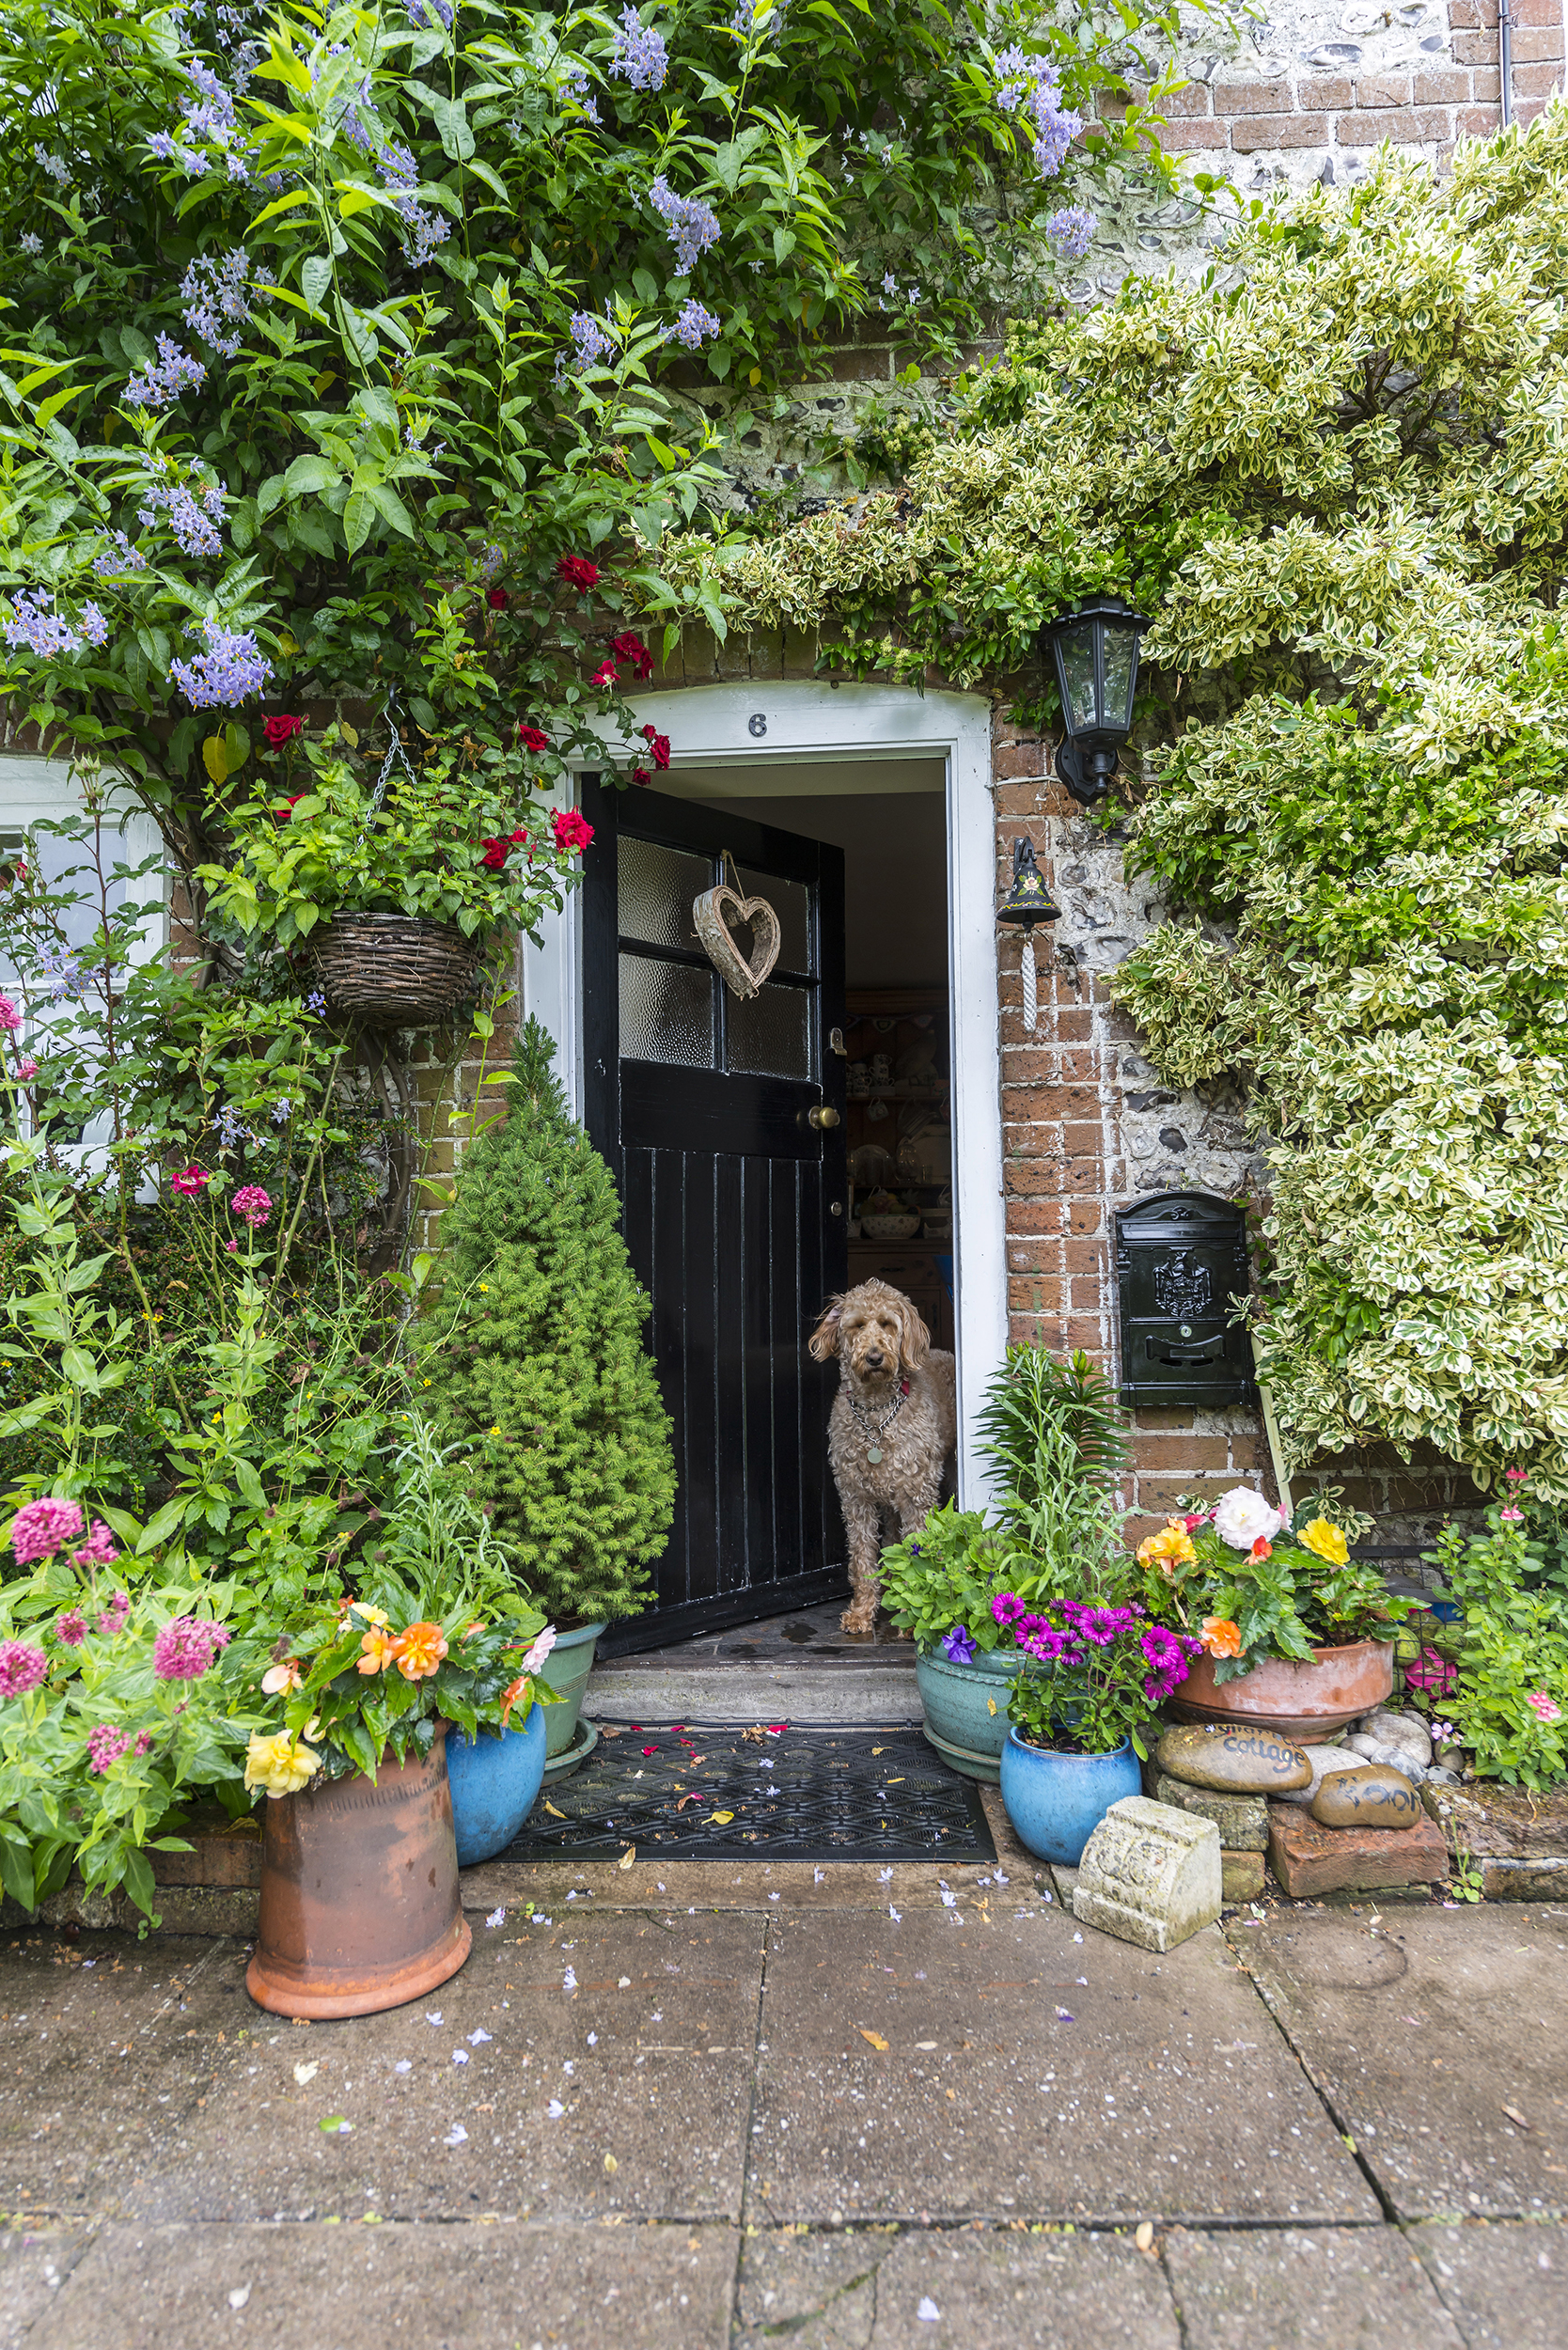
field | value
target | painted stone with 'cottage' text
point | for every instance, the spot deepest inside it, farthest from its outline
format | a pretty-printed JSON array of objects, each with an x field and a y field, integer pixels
[{"x": 1236, "y": 1759}]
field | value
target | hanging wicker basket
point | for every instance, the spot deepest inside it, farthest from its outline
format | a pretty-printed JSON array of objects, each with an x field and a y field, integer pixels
[{"x": 395, "y": 970}]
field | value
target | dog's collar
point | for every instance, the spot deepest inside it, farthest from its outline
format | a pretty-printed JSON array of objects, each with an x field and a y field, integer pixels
[{"x": 875, "y": 1429}]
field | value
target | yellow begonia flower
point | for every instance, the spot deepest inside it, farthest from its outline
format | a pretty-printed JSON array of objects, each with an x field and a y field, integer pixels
[
  {"x": 372, "y": 1615},
  {"x": 281, "y": 1764},
  {"x": 1326, "y": 1539},
  {"x": 1171, "y": 1547}
]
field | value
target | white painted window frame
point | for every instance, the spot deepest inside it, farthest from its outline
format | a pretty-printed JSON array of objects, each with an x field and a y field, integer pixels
[{"x": 805, "y": 721}]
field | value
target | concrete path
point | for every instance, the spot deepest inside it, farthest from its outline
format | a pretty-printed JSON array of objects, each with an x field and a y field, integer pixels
[{"x": 831, "y": 2109}]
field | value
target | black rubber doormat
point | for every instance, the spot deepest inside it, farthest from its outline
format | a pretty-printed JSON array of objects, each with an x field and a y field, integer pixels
[{"x": 751, "y": 1793}]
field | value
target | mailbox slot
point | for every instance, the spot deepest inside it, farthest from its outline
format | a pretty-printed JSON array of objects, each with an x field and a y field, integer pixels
[{"x": 1181, "y": 1256}]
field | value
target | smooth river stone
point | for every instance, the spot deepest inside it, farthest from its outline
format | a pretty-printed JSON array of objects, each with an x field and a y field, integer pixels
[
  {"x": 1372, "y": 1797},
  {"x": 1325, "y": 1761},
  {"x": 1237, "y": 1761}
]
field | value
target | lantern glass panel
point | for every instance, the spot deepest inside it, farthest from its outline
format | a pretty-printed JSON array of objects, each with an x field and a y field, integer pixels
[
  {"x": 1121, "y": 662},
  {"x": 1076, "y": 675}
]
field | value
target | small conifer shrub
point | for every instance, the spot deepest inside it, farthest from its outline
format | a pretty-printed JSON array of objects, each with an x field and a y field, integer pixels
[{"x": 534, "y": 1352}]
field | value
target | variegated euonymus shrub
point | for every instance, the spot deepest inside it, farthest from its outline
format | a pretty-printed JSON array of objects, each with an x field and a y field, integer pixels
[{"x": 1337, "y": 475}]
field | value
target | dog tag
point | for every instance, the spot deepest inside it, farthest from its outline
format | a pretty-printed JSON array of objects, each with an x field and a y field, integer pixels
[{"x": 873, "y": 1453}]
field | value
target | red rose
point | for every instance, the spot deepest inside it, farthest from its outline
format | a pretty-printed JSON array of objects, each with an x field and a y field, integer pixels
[
  {"x": 284, "y": 808},
  {"x": 632, "y": 650},
  {"x": 532, "y": 738},
  {"x": 494, "y": 855},
  {"x": 606, "y": 674},
  {"x": 640, "y": 775},
  {"x": 497, "y": 599},
  {"x": 578, "y": 572},
  {"x": 661, "y": 746},
  {"x": 280, "y": 731},
  {"x": 572, "y": 832},
  {"x": 513, "y": 838}
]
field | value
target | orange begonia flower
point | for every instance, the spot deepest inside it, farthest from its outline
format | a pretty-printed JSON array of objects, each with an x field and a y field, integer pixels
[
  {"x": 279, "y": 1679},
  {"x": 419, "y": 1650},
  {"x": 380, "y": 1652},
  {"x": 1262, "y": 1548},
  {"x": 509, "y": 1697},
  {"x": 1220, "y": 1637}
]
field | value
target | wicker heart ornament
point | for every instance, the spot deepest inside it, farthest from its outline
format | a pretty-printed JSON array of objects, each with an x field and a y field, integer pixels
[{"x": 740, "y": 977}]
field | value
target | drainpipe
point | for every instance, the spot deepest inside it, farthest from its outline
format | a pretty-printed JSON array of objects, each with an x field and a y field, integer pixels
[{"x": 1505, "y": 60}]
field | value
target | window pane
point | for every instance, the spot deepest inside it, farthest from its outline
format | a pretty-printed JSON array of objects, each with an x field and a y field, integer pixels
[
  {"x": 667, "y": 1013},
  {"x": 1118, "y": 676},
  {"x": 791, "y": 903},
  {"x": 1075, "y": 652},
  {"x": 656, "y": 886},
  {"x": 769, "y": 1035}
]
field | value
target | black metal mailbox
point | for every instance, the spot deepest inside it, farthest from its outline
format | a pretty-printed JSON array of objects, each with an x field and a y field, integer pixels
[{"x": 1181, "y": 1256}]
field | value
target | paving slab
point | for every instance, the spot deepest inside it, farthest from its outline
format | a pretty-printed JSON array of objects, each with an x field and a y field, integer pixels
[
  {"x": 980, "y": 2062},
  {"x": 340, "y": 2288},
  {"x": 875, "y": 2289},
  {"x": 1291, "y": 2289},
  {"x": 554, "y": 1887},
  {"x": 1506, "y": 2283},
  {"x": 34, "y": 2261},
  {"x": 1439, "y": 2038},
  {"x": 597, "y": 2071},
  {"x": 107, "y": 2048}
]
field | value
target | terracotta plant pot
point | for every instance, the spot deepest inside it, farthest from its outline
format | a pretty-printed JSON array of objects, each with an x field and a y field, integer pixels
[
  {"x": 1299, "y": 1701},
  {"x": 359, "y": 1893}
]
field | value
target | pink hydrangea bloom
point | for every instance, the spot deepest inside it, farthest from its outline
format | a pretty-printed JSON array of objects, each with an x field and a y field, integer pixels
[
  {"x": 39, "y": 1528},
  {"x": 186, "y": 1646},
  {"x": 21, "y": 1667},
  {"x": 253, "y": 1203},
  {"x": 115, "y": 1612},
  {"x": 70, "y": 1629},
  {"x": 97, "y": 1550},
  {"x": 106, "y": 1746}
]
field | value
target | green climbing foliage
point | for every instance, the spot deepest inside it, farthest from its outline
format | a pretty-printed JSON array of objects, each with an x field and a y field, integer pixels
[{"x": 534, "y": 1354}]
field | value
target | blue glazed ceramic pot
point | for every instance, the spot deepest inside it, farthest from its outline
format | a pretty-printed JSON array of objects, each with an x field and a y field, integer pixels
[
  {"x": 1057, "y": 1801},
  {"x": 496, "y": 1783},
  {"x": 965, "y": 1707}
]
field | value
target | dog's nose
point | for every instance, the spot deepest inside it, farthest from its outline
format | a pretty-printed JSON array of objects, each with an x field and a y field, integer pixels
[{"x": 873, "y": 1355}]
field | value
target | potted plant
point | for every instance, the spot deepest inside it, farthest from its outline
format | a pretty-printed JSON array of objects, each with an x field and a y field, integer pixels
[
  {"x": 1298, "y": 1635},
  {"x": 360, "y": 1908},
  {"x": 397, "y": 887},
  {"x": 1052, "y": 1432},
  {"x": 1093, "y": 1675},
  {"x": 531, "y": 1350}
]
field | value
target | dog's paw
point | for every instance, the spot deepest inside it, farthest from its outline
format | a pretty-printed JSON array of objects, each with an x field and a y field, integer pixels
[
  {"x": 900, "y": 1634},
  {"x": 857, "y": 1619}
]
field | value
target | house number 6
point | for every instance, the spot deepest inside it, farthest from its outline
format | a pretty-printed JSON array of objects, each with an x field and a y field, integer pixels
[{"x": 757, "y": 724}]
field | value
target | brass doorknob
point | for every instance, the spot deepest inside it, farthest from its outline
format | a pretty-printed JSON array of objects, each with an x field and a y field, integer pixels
[{"x": 823, "y": 1116}]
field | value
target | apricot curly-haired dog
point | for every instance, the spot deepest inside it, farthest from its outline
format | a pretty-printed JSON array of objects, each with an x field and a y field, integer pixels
[{"x": 893, "y": 1428}]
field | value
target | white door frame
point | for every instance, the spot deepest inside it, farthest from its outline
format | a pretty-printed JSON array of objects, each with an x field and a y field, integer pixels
[{"x": 800, "y": 722}]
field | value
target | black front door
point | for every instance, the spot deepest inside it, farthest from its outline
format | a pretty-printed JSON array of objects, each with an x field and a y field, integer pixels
[{"x": 733, "y": 1200}]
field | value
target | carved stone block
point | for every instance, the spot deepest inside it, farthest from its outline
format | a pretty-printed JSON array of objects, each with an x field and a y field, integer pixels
[{"x": 1150, "y": 1875}]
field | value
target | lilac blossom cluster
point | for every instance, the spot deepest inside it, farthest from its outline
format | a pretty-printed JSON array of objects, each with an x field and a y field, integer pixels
[
  {"x": 165, "y": 378},
  {"x": 575, "y": 86},
  {"x": 120, "y": 557},
  {"x": 591, "y": 342},
  {"x": 748, "y": 24},
  {"x": 1071, "y": 229},
  {"x": 639, "y": 54},
  {"x": 691, "y": 225},
  {"x": 232, "y": 668},
  {"x": 30, "y": 244},
  {"x": 693, "y": 323},
  {"x": 213, "y": 294},
  {"x": 427, "y": 228},
  {"x": 193, "y": 514},
  {"x": 62, "y": 974},
  {"x": 207, "y": 119},
  {"x": 35, "y": 624},
  {"x": 423, "y": 18},
  {"x": 1035, "y": 84},
  {"x": 54, "y": 166}
]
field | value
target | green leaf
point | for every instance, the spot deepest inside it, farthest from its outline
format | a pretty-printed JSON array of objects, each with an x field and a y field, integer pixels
[
  {"x": 315, "y": 277},
  {"x": 308, "y": 475},
  {"x": 451, "y": 121},
  {"x": 359, "y": 517}
]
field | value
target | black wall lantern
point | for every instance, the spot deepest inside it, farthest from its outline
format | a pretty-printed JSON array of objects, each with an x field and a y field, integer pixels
[{"x": 1095, "y": 648}]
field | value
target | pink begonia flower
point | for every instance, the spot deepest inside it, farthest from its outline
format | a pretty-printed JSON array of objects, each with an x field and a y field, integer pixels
[
  {"x": 27, "y": 1066},
  {"x": 10, "y": 1019},
  {"x": 97, "y": 1550},
  {"x": 1547, "y": 1707},
  {"x": 115, "y": 1612},
  {"x": 106, "y": 1746},
  {"x": 70, "y": 1629},
  {"x": 253, "y": 1203},
  {"x": 40, "y": 1527},
  {"x": 21, "y": 1667},
  {"x": 186, "y": 1647}
]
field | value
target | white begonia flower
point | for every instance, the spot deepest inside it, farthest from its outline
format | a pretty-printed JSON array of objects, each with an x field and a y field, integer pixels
[{"x": 1244, "y": 1517}]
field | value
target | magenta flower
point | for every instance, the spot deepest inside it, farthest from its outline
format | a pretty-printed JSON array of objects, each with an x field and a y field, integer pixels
[
  {"x": 1516, "y": 1477},
  {"x": 27, "y": 1066},
  {"x": 1005, "y": 1608},
  {"x": 1045, "y": 1641},
  {"x": 144, "y": 1740},
  {"x": 70, "y": 1629},
  {"x": 106, "y": 1746},
  {"x": 39, "y": 1528},
  {"x": 97, "y": 1550},
  {"x": 10, "y": 1019},
  {"x": 21, "y": 1667},
  {"x": 186, "y": 1647},
  {"x": 116, "y": 1613},
  {"x": 1547, "y": 1707},
  {"x": 1098, "y": 1626},
  {"x": 191, "y": 1180},
  {"x": 252, "y": 1202}
]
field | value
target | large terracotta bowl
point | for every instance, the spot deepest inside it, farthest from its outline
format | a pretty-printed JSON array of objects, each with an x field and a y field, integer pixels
[{"x": 1299, "y": 1701}]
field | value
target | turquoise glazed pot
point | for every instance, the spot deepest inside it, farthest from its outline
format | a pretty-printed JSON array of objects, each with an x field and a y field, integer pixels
[
  {"x": 1057, "y": 1801},
  {"x": 958, "y": 1699},
  {"x": 495, "y": 1781},
  {"x": 567, "y": 1669}
]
